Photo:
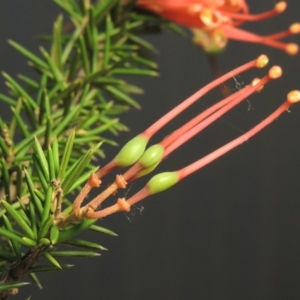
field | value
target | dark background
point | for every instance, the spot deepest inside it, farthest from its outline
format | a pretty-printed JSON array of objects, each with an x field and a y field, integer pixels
[{"x": 229, "y": 231}]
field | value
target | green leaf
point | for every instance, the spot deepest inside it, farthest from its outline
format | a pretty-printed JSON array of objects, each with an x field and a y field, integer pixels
[
  {"x": 121, "y": 96},
  {"x": 135, "y": 72},
  {"x": 52, "y": 260},
  {"x": 32, "y": 83},
  {"x": 24, "y": 146},
  {"x": 57, "y": 75},
  {"x": 103, "y": 8},
  {"x": 84, "y": 55},
  {"x": 35, "y": 279},
  {"x": 102, "y": 230},
  {"x": 130, "y": 88},
  {"x": 128, "y": 26},
  {"x": 5, "y": 177},
  {"x": 55, "y": 152},
  {"x": 20, "y": 122},
  {"x": 41, "y": 159},
  {"x": 66, "y": 156},
  {"x": 41, "y": 176},
  {"x": 84, "y": 244},
  {"x": 75, "y": 36},
  {"x": 108, "y": 124},
  {"x": 19, "y": 219},
  {"x": 13, "y": 236},
  {"x": 45, "y": 268},
  {"x": 33, "y": 198},
  {"x": 146, "y": 62},
  {"x": 8, "y": 100},
  {"x": 51, "y": 164},
  {"x": 103, "y": 80},
  {"x": 92, "y": 38},
  {"x": 174, "y": 27},
  {"x": 77, "y": 170},
  {"x": 107, "y": 43},
  {"x": 56, "y": 51},
  {"x": 68, "y": 233},
  {"x": 19, "y": 90},
  {"x": 54, "y": 234},
  {"x": 23, "y": 211},
  {"x": 45, "y": 227},
  {"x": 13, "y": 124},
  {"x": 29, "y": 242},
  {"x": 64, "y": 125},
  {"x": 46, "y": 117},
  {"x": 48, "y": 132},
  {"x": 33, "y": 219},
  {"x": 3, "y": 147},
  {"x": 141, "y": 42},
  {"x": 12, "y": 285},
  {"x": 41, "y": 92},
  {"x": 69, "y": 9},
  {"x": 19, "y": 180},
  {"x": 32, "y": 58},
  {"x": 15, "y": 245},
  {"x": 44, "y": 242},
  {"x": 74, "y": 254},
  {"x": 47, "y": 206}
]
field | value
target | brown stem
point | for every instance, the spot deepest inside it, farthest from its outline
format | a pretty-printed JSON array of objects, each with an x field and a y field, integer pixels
[{"x": 21, "y": 268}]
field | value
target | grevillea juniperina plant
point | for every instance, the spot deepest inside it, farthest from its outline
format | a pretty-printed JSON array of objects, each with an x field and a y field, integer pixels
[{"x": 46, "y": 173}]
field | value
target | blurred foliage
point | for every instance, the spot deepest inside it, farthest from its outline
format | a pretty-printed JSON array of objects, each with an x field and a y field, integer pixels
[{"x": 57, "y": 125}]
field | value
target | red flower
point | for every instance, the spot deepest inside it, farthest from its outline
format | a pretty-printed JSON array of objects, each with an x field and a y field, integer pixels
[
  {"x": 215, "y": 21},
  {"x": 143, "y": 161}
]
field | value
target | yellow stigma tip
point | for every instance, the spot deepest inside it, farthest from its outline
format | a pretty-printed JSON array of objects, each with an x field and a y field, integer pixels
[
  {"x": 293, "y": 96},
  {"x": 280, "y": 6},
  {"x": 295, "y": 28},
  {"x": 275, "y": 72},
  {"x": 255, "y": 81},
  {"x": 262, "y": 61},
  {"x": 292, "y": 49}
]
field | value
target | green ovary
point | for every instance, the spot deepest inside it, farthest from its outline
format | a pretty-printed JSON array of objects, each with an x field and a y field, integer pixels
[
  {"x": 162, "y": 181},
  {"x": 132, "y": 151}
]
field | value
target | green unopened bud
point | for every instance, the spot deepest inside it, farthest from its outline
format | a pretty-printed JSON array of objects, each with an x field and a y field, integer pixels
[
  {"x": 152, "y": 156},
  {"x": 131, "y": 151},
  {"x": 162, "y": 181}
]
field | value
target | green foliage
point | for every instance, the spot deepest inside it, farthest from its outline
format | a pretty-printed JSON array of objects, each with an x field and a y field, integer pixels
[
  {"x": 5, "y": 286},
  {"x": 56, "y": 128}
]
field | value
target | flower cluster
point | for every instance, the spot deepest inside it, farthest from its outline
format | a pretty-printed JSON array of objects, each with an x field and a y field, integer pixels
[
  {"x": 213, "y": 22},
  {"x": 143, "y": 161}
]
